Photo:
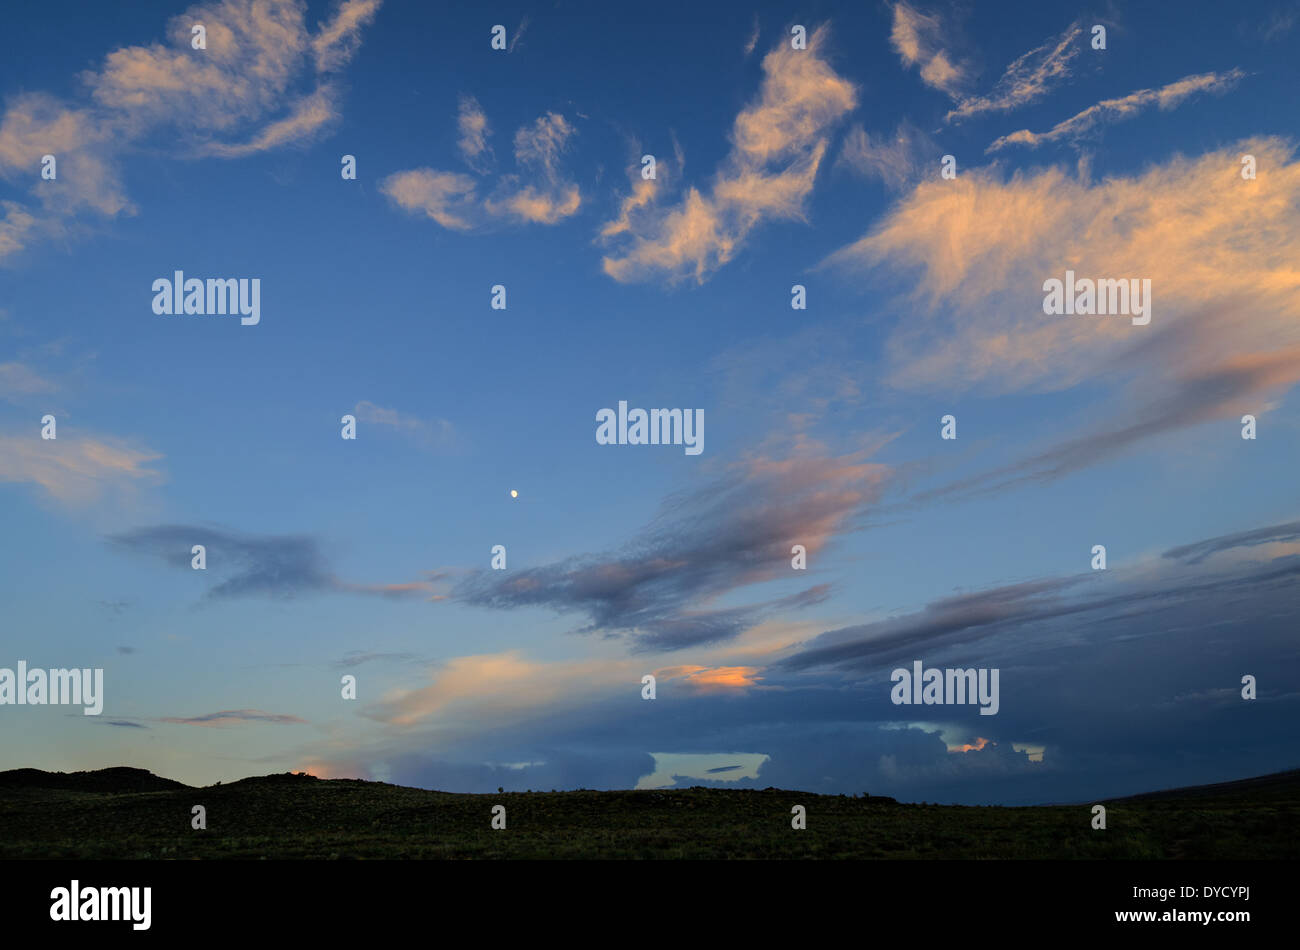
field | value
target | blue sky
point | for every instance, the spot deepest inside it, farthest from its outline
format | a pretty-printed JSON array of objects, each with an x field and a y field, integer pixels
[{"x": 775, "y": 166}]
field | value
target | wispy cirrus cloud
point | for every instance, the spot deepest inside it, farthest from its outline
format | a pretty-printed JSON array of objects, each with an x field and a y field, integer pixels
[
  {"x": 1206, "y": 239},
  {"x": 1201, "y": 550},
  {"x": 73, "y": 469},
  {"x": 1043, "y": 608},
  {"x": 264, "y": 81},
  {"x": 1125, "y": 107},
  {"x": 306, "y": 117},
  {"x": 777, "y": 146},
  {"x": 254, "y": 565},
  {"x": 518, "y": 37},
  {"x": 735, "y": 533},
  {"x": 337, "y": 40},
  {"x": 474, "y": 132},
  {"x": 427, "y": 433},
  {"x": 232, "y": 717},
  {"x": 899, "y": 162},
  {"x": 449, "y": 198},
  {"x": 1224, "y": 392},
  {"x": 1219, "y": 252},
  {"x": 466, "y": 692},
  {"x": 921, "y": 40},
  {"x": 358, "y": 658},
  {"x": 1271, "y": 26},
  {"x": 500, "y": 685},
  {"x": 18, "y": 379},
  {"x": 1029, "y": 78},
  {"x": 918, "y": 39},
  {"x": 538, "y": 148},
  {"x": 752, "y": 40},
  {"x": 539, "y": 193}
]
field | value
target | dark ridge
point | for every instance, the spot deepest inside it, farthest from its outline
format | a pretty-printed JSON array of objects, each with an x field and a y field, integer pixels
[
  {"x": 1261, "y": 786},
  {"x": 119, "y": 780},
  {"x": 277, "y": 778},
  {"x": 125, "y": 780}
]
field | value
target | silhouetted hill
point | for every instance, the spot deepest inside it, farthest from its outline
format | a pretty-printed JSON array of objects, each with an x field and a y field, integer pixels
[
  {"x": 116, "y": 781},
  {"x": 1282, "y": 785},
  {"x": 132, "y": 814}
]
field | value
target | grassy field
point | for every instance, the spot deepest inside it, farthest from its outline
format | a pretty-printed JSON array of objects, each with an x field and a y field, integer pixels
[{"x": 125, "y": 813}]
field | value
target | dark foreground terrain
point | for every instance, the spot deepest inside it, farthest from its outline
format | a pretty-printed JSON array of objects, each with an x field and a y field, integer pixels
[{"x": 130, "y": 813}]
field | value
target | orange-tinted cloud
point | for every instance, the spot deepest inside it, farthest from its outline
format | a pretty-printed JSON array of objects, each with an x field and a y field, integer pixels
[
  {"x": 1029, "y": 78},
  {"x": 452, "y": 199},
  {"x": 73, "y": 469},
  {"x": 262, "y": 82},
  {"x": 1220, "y": 252},
  {"x": 712, "y": 679},
  {"x": 498, "y": 685},
  {"x": 918, "y": 39},
  {"x": 778, "y": 143},
  {"x": 1126, "y": 107},
  {"x": 474, "y": 132}
]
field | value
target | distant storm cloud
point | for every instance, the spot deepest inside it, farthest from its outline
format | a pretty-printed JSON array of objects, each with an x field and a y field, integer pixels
[
  {"x": 941, "y": 623},
  {"x": 1198, "y": 552},
  {"x": 1106, "y": 678},
  {"x": 670, "y": 766},
  {"x": 733, "y": 534},
  {"x": 1036, "y": 606},
  {"x": 252, "y": 565}
]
